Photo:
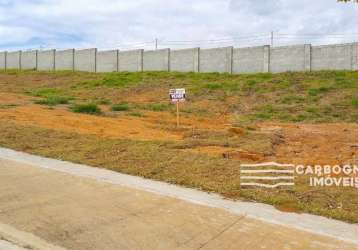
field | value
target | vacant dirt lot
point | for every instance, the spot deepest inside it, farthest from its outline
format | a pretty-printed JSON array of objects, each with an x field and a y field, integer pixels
[{"x": 227, "y": 120}]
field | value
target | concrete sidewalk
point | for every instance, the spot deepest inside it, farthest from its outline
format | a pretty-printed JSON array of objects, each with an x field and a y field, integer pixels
[
  {"x": 5, "y": 245},
  {"x": 64, "y": 210}
]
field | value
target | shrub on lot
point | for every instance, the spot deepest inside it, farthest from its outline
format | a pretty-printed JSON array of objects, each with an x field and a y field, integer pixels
[
  {"x": 53, "y": 100},
  {"x": 355, "y": 102},
  {"x": 120, "y": 107},
  {"x": 88, "y": 108}
]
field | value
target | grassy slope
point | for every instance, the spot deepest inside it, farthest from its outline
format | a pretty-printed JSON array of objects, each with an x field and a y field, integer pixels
[{"x": 290, "y": 97}]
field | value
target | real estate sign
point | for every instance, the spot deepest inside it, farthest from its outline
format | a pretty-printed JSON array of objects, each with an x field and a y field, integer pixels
[{"x": 177, "y": 95}]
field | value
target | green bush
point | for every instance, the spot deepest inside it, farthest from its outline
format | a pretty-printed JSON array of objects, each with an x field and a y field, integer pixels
[
  {"x": 45, "y": 92},
  {"x": 214, "y": 86},
  {"x": 355, "y": 102},
  {"x": 138, "y": 114},
  {"x": 120, "y": 107},
  {"x": 53, "y": 100},
  {"x": 320, "y": 90},
  {"x": 88, "y": 108},
  {"x": 158, "y": 107},
  {"x": 104, "y": 102}
]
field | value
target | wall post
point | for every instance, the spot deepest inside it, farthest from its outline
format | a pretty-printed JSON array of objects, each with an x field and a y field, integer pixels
[
  {"x": 37, "y": 59},
  {"x": 308, "y": 57},
  {"x": 20, "y": 55},
  {"x": 5, "y": 60},
  {"x": 266, "y": 67}
]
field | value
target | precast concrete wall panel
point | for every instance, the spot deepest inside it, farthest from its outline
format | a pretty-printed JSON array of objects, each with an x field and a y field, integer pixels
[
  {"x": 354, "y": 56},
  {"x": 216, "y": 60},
  {"x": 107, "y": 61},
  {"x": 249, "y": 60},
  {"x": 156, "y": 60},
  {"x": 85, "y": 60},
  {"x": 332, "y": 57},
  {"x": 29, "y": 60},
  {"x": 3, "y": 60},
  {"x": 288, "y": 58},
  {"x": 64, "y": 59},
  {"x": 184, "y": 60},
  {"x": 46, "y": 60},
  {"x": 131, "y": 61},
  {"x": 13, "y": 60}
]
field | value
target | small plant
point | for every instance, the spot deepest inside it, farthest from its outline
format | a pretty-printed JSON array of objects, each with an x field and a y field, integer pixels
[
  {"x": 88, "y": 108},
  {"x": 53, "y": 100},
  {"x": 7, "y": 106},
  {"x": 292, "y": 99},
  {"x": 120, "y": 107},
  {"x": 158, "y": 107},
  {"x": 45, "y": 92},
  {"x": 137, "y": 114},
  {"x": 355, "y": 102},
  {"x": 320, "y": 90},
  {"x": 104, "y": 102},
  {"x": 214, "y": 86}
]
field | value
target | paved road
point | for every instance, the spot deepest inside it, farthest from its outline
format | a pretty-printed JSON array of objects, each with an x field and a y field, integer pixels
[
  {"x": 63, "y": 210},
  {"x": 5, "y": 245}
]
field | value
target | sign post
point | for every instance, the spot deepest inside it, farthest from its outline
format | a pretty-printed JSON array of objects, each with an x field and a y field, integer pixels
[
  {"x": 177, "y": 114},
  {"x": 177, "y": 96}
]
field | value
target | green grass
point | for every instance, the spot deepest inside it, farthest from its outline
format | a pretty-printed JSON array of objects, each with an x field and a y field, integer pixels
[
  {"x": 136, "y": 114},
  {"x": 157, "y": 107},
  {"x": 287, "y": 96},
  {"x": 115, "y": 80},
  {"x": 46, "y": 92},
  {"x": 50, "y": 96},
  {"x": 355, "y": 102},
  {"x": 124, "y": 106},
  {"x": 104, "y": 101},
  {"x": 87, "y": 108},
  {"x": 320, "y": 90},
  {"x": 53, "y": 100},
  {"x": 7, "y": 106}
]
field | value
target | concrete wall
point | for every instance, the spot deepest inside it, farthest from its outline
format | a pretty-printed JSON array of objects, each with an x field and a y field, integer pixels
[
  {"x": 156, "y": 60},
  {"x": 290, "y": 58},
  {"x": 13, "y": 60},
  {"x": 85, "y": 60},
  {"x": 216, "y": 60},
  {"x": 332, "y": 57},
  {"x": 29, "y": 60},
  {"x": 64, "y": 59},
  {"x": 107, "y": 61},
  {"x": 184, "y": 60},
  {"x": 46, "y": 60},
  {"x": 354, "y": 56},
  {"x": 131, "y": 61},
  {"x": 250, "y": 60},
  {"x": 2, "y": 60},
  {"x": 227, "y": 59}
]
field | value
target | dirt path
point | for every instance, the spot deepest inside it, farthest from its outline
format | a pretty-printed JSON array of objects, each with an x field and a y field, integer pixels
[
  {"x": 315, "y": 143},
  {"x": 61, "y": 119},
  {"x": 80, "y": 213}
]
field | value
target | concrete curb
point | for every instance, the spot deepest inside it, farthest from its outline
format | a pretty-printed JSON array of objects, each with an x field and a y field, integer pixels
[
  {"x": 310, "y": 223},
  {"x": 18, "y": 240}
]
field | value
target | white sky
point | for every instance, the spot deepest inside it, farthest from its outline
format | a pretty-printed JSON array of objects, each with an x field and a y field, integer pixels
[{"x": 127, "y": 24}]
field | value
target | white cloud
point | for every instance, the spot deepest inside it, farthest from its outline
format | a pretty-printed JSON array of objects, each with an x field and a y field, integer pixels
[{"x": 110, "y": 23}]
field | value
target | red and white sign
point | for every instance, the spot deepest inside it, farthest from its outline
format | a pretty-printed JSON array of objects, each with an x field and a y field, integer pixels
[{"x": 177, "y": 95}]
